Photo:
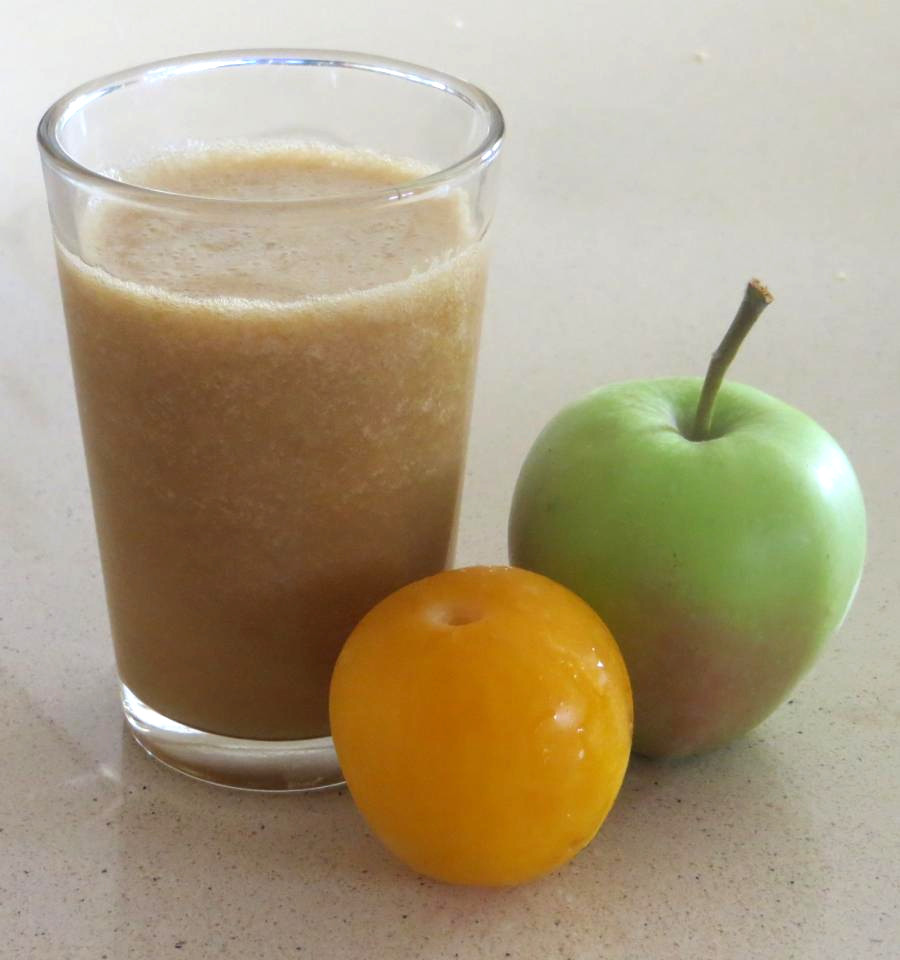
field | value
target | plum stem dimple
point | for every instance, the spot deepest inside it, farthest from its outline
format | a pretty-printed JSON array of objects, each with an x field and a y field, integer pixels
[
  {"x": 756, "y": 299},
  {"x": 457, "y": 615}
]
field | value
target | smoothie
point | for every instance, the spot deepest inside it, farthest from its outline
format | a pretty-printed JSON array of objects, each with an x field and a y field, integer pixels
[{"x": 275, "y": 422}]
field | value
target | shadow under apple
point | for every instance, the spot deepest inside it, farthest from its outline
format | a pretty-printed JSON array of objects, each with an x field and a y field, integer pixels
[{"x": 705, "y": 847}]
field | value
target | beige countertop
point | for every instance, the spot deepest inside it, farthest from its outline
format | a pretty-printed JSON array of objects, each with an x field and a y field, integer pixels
[{"x": 659, "y": 154}]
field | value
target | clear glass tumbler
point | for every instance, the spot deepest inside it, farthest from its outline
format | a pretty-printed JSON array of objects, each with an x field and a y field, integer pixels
[{"x": 272, "y": 266}]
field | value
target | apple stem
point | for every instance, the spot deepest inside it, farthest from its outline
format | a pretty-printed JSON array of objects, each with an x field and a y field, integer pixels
[{"x": 756, "y": 299}]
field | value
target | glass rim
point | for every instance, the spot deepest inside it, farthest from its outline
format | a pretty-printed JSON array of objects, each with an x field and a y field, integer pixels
[{"x": 66, "y": 107}]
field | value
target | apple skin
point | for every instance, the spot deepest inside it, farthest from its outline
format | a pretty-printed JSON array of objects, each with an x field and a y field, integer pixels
[{"x": 720, "y": 566}]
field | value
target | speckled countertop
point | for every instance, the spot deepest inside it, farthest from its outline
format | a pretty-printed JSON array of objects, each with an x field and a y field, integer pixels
[{"x": 659, "y": 154}]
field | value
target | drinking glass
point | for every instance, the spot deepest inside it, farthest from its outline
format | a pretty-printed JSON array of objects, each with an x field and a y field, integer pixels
[{"x": 273, "y": 266}]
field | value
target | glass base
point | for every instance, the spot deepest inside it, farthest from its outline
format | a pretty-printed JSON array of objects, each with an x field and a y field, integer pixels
[{"x": 270, "y": 765}]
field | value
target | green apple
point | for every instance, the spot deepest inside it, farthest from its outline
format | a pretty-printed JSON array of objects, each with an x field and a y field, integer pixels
[{"x": 719, "y": 532}]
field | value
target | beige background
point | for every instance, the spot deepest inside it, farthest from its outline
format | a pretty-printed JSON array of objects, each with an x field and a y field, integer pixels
[{"x": 659, "y": 154}]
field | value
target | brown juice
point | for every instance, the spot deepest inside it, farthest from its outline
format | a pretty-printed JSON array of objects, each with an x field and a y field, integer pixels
[{"x": 275, "y": 424}]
